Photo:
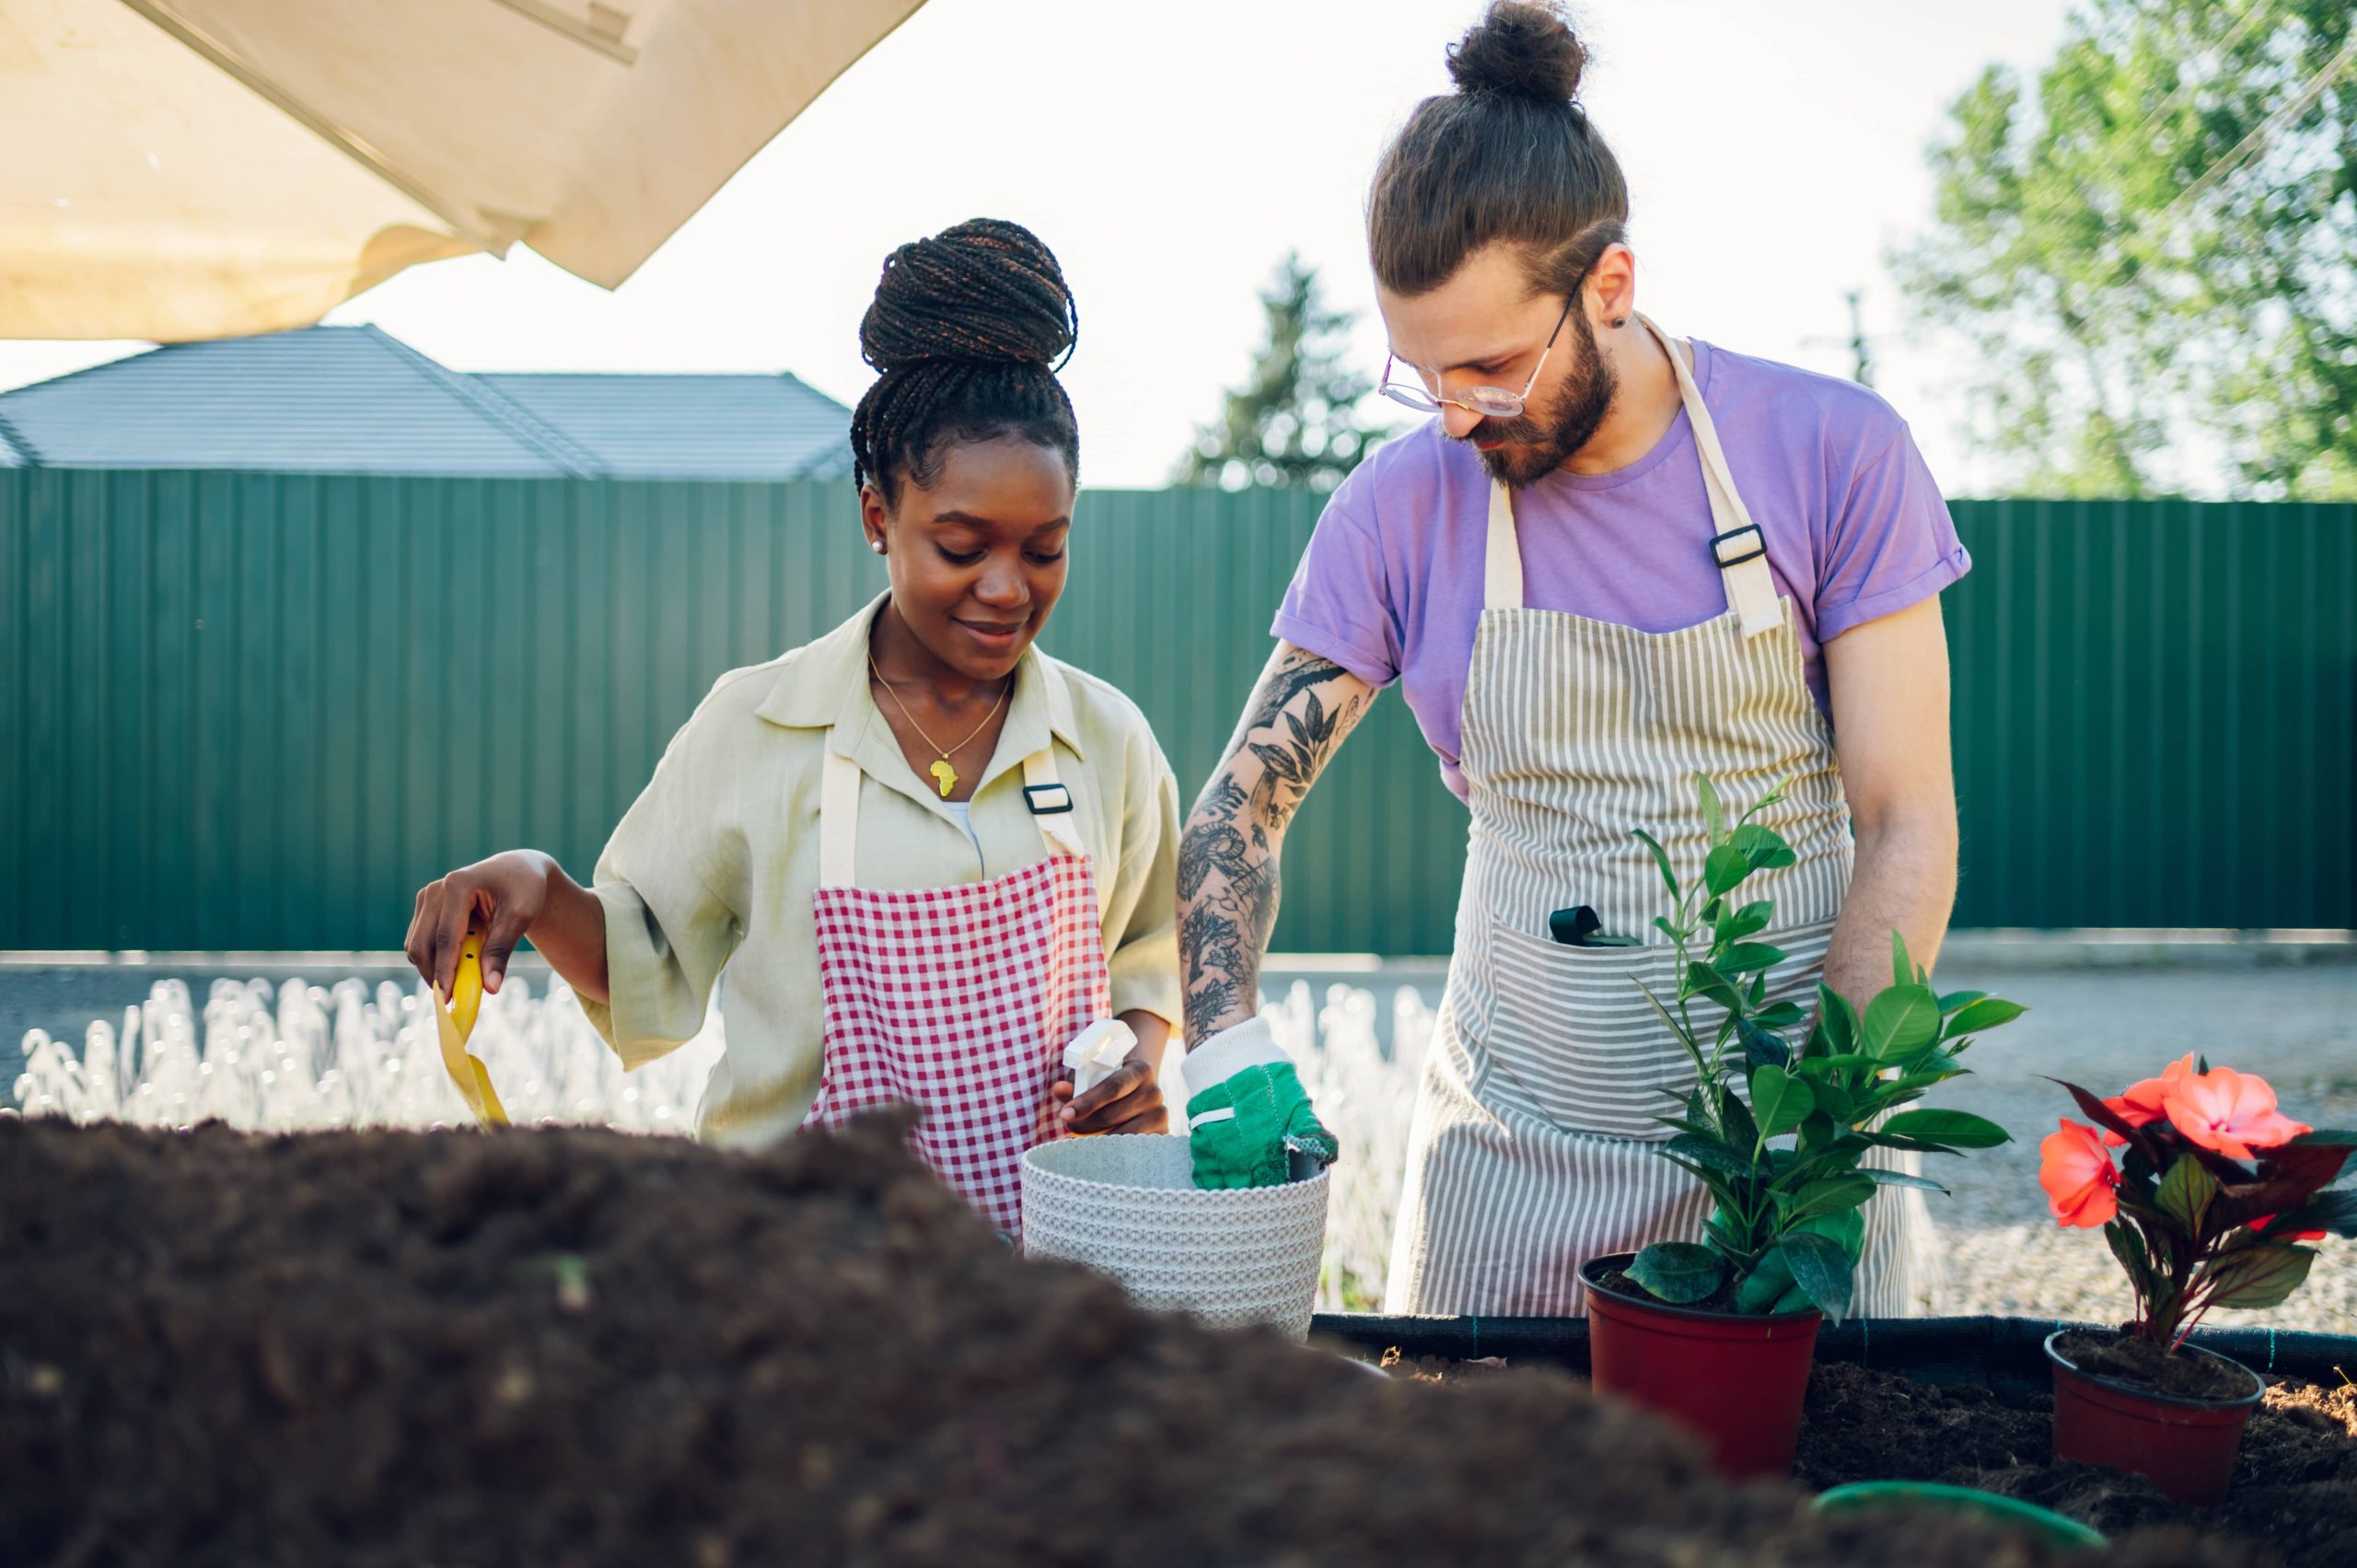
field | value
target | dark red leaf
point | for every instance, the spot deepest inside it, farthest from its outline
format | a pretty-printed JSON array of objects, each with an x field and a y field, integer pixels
[{"x": 2104, "y": 1116}]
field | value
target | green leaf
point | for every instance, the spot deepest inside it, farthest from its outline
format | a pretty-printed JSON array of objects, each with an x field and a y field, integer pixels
[
  {"x": 1745, "y": 958},
  {"x": 1660, "y": 858},
  {"x": 1822, "y": 1270},
  {"x": 1761, "y": 849},
  {"x": 1830, "y": 1196},
  {"x": 1955, "y": 999},
  {"x": 1748, "y": 921},
  {"x": 1723, "y": 869},
  {"x": 1761, "y": 1047},
  {"x": 1701, "y": 980},
  {"x": 1782, "y": 1016},
  {"x": 2186, "y": 1192},
  {"x": 2260, "y": 1276},
  {"x": 1987, "y": 1012},
  {"x": 1767, "y": 1283},
  {"x": 1735, "y": 1117},
  {"x": 1956, "y": 1129},
  {"x": 1903, "y": 1019},
  {"x": 1902, "y": 967},
  {"x": 1677, "y": 1272},
  {"x": 1715, "y": 814},
  {"x": 1846, "y": 1230},
  {"x": 2128, "y": 1246},
  {"x": 1710, "y": 1153},
  {"x": 1838, "y": 1019},
  {"x": 1818, "y": 1129},
  {"x": 1778, "y": 1100},
  {"x": 2334, "y": 1211},
  {"x": 1882, "y": 1178}
]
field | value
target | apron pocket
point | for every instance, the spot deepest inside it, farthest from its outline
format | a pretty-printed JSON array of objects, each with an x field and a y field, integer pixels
[{"x": 1577, "y": 1036}]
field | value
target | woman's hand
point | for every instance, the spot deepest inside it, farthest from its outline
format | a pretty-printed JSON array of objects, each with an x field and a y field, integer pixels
[
  {"x": 504, "y": 895},
  {"x": 1129, "y": 1101}
]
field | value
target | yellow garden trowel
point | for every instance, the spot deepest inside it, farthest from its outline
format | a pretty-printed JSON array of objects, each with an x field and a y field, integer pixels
[{"x": 455, "y": 1022}]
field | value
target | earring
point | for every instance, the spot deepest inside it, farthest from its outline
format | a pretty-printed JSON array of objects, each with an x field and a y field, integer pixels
[
  {"x": 876, "y": 545},
  {"x": 1619, "y": 322}
]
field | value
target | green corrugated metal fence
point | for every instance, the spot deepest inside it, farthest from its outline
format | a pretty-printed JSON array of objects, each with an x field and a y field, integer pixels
[{"x": 257, "y": 711}]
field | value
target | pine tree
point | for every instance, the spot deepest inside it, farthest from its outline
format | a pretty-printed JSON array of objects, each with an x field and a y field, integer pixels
[{"x": 1295, "y": 424}]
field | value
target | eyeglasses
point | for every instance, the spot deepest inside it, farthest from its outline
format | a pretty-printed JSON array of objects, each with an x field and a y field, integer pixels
[{"x": 1489, "y": 402}]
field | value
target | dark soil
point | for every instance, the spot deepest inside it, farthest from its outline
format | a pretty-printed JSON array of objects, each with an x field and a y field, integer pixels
[
  {"x": 2147, "y": 1366},
  {"x": 2293, "y": 1499},
  {"x": 572, "y": 1348}
]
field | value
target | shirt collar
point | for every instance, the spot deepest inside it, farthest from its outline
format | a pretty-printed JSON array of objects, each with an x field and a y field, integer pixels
[{"x": 823, "y": 685}]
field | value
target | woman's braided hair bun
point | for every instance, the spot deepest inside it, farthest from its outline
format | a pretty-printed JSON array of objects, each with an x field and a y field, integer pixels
[
  {"x": 986, "y": 292},
  {"x": 968, "y": 331}
]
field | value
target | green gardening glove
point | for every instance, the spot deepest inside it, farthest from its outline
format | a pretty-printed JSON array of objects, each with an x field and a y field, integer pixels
[{"x": 1249, "y": 1121}]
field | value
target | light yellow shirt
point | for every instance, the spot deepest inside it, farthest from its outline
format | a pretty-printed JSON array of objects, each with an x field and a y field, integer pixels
[{"x": 715, "y": 863}]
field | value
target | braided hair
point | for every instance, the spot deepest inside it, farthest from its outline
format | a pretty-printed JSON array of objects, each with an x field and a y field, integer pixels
[{"x": 967, "y": 330}]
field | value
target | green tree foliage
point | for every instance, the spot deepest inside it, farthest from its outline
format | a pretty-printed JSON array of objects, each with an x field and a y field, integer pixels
[
  {"x": 2154, "y": 252},
  {"x": 1294, "y": 424}
]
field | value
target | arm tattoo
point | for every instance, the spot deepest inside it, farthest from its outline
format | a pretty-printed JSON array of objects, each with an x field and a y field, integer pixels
[{"x": 1227, "y": 858}]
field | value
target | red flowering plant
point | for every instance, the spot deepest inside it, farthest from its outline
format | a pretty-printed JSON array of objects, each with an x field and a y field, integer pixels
[{"x": 2216, "y": 1196}]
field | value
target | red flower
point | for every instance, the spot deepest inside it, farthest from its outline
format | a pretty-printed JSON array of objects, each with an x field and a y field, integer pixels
[
  {"x": 2230, "y": 1113},
  {"x": 2076, "y": 1171},
  {"x": 2141, "y": 1103}
]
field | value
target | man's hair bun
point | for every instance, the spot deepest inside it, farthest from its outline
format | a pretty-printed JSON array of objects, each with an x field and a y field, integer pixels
[{"x": 1520, "y": 49}]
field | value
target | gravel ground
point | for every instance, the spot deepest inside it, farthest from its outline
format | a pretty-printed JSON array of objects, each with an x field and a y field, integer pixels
[{"x": 2102, "y": 1026}]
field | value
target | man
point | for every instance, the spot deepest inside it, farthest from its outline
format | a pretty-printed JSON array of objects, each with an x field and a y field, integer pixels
[{"x": 1614, "y": 561}]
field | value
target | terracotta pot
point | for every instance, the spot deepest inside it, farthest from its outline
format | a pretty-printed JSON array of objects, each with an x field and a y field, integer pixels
[
  {"x": 2186, "y": 1445},
  {"x": 1735, "y": 1378}
]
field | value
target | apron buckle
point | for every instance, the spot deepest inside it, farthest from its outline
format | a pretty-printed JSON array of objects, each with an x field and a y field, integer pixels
[
  {"x": 1047, "y": 799},
  {"x": 1720, "y": 544}
]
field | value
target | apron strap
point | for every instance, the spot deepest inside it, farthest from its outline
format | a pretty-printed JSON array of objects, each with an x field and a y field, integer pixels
[
  {"x": 1738, "y": 546},
  {"x": 1737, "y": 543},
  {"x": 1050, "y": 800},
  {"x": 1501, "y": 562},
  {"x": 838, "y": 818}
]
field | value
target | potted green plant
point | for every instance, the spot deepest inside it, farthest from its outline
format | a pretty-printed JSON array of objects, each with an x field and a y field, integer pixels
[
  {"x": 1719, "y": 1333},
  {"x": 2215, "y": 1201}
]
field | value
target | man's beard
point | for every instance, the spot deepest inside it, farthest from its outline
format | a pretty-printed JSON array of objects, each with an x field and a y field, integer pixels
[{"x": 1536, "y": 448}]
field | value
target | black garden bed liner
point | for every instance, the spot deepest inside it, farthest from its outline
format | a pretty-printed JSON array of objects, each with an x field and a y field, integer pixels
[{"x": 2001, "y": 1354}]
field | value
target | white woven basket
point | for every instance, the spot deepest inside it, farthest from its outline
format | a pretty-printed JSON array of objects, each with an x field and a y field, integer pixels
[{"x": 1129, "y": 1206}]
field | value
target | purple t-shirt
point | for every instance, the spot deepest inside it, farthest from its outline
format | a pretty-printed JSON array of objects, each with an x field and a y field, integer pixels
[{"x": 1390, "y": 586}]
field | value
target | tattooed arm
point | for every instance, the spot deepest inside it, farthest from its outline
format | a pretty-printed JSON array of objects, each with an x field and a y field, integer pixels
[{"x": 1299, "y": 712}]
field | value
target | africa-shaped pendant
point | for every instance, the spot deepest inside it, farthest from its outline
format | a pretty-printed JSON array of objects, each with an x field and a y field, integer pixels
[{"x": 945, "y": 775}]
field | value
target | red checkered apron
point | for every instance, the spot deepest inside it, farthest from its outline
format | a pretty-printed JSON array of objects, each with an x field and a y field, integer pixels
[{"x": 958, "y": 1000}]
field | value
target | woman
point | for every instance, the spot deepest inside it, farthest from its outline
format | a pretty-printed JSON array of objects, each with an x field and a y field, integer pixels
[{"x": 926, "y": 853}]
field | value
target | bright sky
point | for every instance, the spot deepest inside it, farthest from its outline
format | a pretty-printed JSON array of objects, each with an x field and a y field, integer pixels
[{"x": 1170, "y": 155}]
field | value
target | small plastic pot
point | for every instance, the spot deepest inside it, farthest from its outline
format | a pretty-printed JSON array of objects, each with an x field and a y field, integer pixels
[
  {"x": 2186, "y": 1445},
  {"x": 1736, "y": 1379}
]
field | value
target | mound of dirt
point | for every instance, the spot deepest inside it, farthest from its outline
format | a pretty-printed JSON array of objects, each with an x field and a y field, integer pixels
[{"x": 577, "y": 1348}]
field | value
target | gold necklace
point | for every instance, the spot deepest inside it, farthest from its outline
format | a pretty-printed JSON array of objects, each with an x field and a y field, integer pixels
[{"x": 943, "y": 773}]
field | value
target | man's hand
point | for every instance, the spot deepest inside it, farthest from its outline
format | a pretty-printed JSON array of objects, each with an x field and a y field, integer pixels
[
  {"x": 1890, "y": 682},
  {"x": 1300, "y": 712}
]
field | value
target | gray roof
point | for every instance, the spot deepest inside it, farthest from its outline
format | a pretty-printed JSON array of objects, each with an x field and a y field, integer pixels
[
  {"x": 691, "y": 427},
  {"x": 355, "y": 400}
]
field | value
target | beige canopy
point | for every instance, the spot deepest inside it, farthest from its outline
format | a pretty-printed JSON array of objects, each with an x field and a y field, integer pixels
[{"x": 196, "y": 169}]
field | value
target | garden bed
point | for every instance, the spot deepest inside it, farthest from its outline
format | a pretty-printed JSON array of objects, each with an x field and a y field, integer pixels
[
  {"x": 1986, "y": 1423},
  {"x": 586, "y": 1348}
]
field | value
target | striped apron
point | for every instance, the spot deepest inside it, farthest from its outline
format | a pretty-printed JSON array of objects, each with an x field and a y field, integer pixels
[{"x": 1533, "y": 1146}]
